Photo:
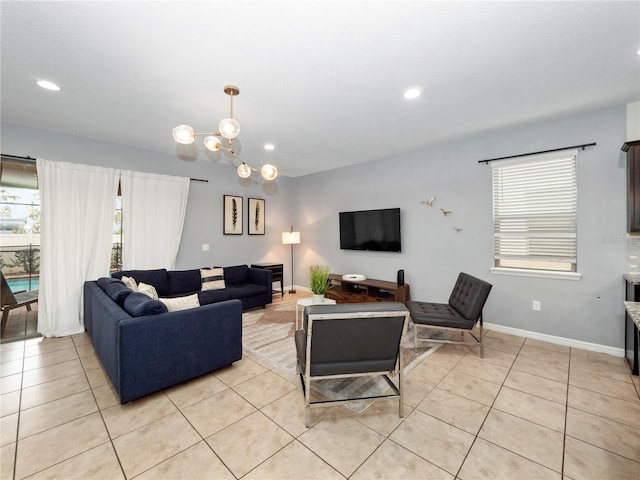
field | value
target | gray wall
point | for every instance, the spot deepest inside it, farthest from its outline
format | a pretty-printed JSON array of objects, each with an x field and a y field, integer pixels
[
  {"x": 433, "y": 252},
  {"x": 203, "y": 222}
]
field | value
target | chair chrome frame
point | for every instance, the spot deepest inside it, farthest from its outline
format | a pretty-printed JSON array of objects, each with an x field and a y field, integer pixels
[
  {"x": 306, "y": 378},
  {"x": 478, "y": 338}
]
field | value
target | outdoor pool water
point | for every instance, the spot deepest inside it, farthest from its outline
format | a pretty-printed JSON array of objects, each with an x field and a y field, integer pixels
[{"x": 21, "y": 284}]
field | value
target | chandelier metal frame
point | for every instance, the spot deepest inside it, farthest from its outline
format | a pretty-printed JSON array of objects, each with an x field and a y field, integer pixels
[{"x": 228, "y": 129}]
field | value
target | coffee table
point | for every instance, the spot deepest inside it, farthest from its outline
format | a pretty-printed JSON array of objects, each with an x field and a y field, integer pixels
[{"x": 305, "y": 302}]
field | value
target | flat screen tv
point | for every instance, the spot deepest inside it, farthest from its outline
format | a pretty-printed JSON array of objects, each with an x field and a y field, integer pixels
[{"x": 374, "y": 230}]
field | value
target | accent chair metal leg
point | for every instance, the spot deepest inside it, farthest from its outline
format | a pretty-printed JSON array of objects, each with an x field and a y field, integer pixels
[
  {"x": 400, "y": 388},
  {"x": 307, "y": 402},
  {"x": 481, "y": 339}
]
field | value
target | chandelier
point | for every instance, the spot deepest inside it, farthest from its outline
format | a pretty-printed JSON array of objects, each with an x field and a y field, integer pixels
[{"x": 228, "y": 129}]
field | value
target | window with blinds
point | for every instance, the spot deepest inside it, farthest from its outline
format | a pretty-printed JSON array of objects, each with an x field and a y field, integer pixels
[{"x": 534, "y": 212}]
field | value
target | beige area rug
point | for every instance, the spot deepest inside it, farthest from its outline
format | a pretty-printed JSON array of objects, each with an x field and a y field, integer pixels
[{"x": 268, "y": 335}]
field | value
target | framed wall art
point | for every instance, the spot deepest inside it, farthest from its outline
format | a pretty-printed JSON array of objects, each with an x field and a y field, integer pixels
[
  {"x": 256, "y": 216},
  {"x": 232, "y": 215}
]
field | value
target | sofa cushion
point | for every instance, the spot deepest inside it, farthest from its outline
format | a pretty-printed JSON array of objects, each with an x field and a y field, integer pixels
[
  {"x": 214, "y": 296},
  {"x": 183, "y": 281},
  {"x": 212, "y": 278},
  {"x": 117, "y": 291},
  {"x": 181, "y": 303},
  {"x": 158, "y": 278},
  {"x": 138, "y": 305},
  {"x": 235, "y": 275},
  {"x": 246, "y": 290}
]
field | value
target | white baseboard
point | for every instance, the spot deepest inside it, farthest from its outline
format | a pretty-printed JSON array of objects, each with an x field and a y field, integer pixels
[
  {"x": 593, "y": 347},
  {"x": 297, "y": 287}
]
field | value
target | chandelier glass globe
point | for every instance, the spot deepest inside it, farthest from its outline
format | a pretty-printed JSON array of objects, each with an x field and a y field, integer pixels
[
  {"x": 244, "y": 171},
  {"x": 184, "y": 134},
  {"x": 229, "y": 128},
  {"x": 212, "y": 143},
  {"x": 269, "y": 172}
]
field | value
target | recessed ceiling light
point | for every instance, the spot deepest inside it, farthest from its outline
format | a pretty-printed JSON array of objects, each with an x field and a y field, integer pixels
[
  {"x": 269, "y": 146},
  {"x": 638, "y": 52},
  {"x": 48, "y": 85},
  {"x": 412, "y": 93}
]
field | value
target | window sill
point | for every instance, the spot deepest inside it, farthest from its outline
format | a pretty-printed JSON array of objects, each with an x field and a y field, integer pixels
[{"x": 521, "y": 272}]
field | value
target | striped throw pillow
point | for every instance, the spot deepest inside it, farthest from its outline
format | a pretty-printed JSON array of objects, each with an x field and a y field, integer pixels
[{"x": 212, "y": 278}]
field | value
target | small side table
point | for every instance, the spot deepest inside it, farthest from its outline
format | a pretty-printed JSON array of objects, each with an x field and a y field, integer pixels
[
  {"x": 305, "y": 302},
  {"x": 276, "y": 273}
]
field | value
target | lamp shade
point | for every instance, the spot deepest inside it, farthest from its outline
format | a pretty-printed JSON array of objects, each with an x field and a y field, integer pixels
[{"x": 290, "y": 238}]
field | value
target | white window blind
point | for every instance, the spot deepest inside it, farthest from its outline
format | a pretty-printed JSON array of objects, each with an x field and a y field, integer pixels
[{"x": 534, "y": 212}]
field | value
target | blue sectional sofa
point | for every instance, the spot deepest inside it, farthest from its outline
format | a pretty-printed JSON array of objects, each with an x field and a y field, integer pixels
[
  {"x": 250, "y": 285},
  {"x": 145, "y": 348}
]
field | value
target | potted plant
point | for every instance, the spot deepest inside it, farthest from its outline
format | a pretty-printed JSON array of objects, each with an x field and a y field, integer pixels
[{"x": 319, "y": 281}]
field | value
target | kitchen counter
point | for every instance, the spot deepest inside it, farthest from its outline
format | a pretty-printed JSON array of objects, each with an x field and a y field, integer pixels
[
  {"x": 632, "y": 321},
  {"x": 633, "y": 309}
]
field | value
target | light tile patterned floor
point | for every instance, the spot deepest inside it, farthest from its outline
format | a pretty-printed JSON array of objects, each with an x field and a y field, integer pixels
[{"x": 529, "y": 409}]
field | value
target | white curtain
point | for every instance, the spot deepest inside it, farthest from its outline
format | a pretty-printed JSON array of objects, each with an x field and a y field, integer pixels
[
  {"x": 77, "y": 207},
  {"x": 153, "y": 210}
]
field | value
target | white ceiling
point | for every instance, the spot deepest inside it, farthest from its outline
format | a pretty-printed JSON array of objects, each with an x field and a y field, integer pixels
[{"x": 321, "y": 80}]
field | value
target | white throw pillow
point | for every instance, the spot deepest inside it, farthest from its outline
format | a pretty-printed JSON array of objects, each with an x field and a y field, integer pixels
[
  {"x": 181, "y": 303},
  {"x": 212, "y": 278},
  {"x": 130, "y": 282},
  {"x": 148, "y": 290}
]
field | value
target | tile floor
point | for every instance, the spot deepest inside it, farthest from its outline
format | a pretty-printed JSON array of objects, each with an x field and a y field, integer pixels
[{"x": 529, "y": 409}]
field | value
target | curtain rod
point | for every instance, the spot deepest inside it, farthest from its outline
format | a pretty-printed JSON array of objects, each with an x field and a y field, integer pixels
[
  {"x": 18, "y": 157},
  {"x": 33, "y": 160},
  {"x": 583, "y": 146}
]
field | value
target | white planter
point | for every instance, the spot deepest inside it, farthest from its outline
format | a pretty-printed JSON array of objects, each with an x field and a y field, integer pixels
[{"x": 318, "y": 298}]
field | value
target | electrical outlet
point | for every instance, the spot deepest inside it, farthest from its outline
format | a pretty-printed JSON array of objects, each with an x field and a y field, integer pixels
[
  {"x": 205, "y": 247},
  {"x": 536, "y": 305}
]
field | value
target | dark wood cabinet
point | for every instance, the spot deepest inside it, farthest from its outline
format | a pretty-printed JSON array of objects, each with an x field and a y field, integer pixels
[
  {"x": 276, "y": 272},
  {"x": 633, "y": 185},
  {"x": 369, "y": 290}
]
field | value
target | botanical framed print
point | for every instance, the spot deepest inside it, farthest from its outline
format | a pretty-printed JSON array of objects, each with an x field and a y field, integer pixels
[
  {"x": 256, "y": 216},
  {"x": 232, "y": 215}
]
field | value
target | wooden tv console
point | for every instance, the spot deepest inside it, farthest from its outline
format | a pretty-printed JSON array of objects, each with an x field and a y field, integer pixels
[{"x": 369, "y": 290}]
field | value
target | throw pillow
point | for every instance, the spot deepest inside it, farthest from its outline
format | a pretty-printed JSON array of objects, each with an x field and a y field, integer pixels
[
  {"x": 148, "y": 290},
  {"x": 212, "y": 279},
  {"x": 138, "y": 305},
  {"x": 181, "y": 303},
  {"x": 130, "y": 282}
]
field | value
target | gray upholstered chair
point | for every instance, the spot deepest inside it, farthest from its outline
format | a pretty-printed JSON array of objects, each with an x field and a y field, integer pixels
[
  {"x": 461, "y": 313},
  {"x": 351, "y": 340}
]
